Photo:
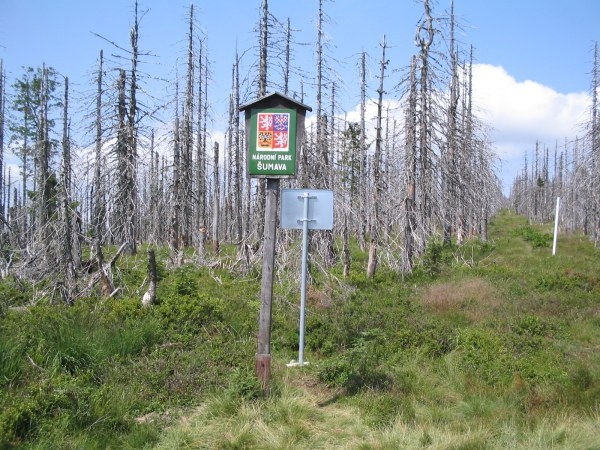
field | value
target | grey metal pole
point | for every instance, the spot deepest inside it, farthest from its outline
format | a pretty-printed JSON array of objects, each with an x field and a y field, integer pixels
[{"x": 305, "y": 219}]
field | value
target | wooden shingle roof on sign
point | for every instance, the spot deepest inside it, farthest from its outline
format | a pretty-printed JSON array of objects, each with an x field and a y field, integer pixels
[{"x": 275, "y": 100}]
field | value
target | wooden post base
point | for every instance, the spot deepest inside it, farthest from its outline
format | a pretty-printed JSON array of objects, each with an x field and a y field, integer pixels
[{"x": 263, "y": 369}]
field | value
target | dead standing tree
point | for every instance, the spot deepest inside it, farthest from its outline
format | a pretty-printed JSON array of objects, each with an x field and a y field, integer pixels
[
  {"x": 70, "y": 250},
  {"x": 129, "y": 201},
  {"x": 262, "y": 91},
  {"x": 421, "y": 167},
  {"x": 124, "y": 218},
  {"x": 362, "y": 195},
  {"x": 451, "y": 166},
  {"x": 324, "y": 155},
  {"x": 594, "y": 153},
  {"x": 187, "y": 139},
  {"x": 200, "y": 162},
  {"x": 2, "y": 121},
  {"x": 419, "y": 152},
  {"x": 98, "y": 197},
  {"x": 410, "y": 169},
  {"x": 176, "y": 257},
  {"x": 376, "y": 223}
]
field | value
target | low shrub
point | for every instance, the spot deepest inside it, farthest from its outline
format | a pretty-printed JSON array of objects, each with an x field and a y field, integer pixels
[
  {"x": 243, "y": 384},
  {"x": 13, "y": 292},
  {"x": 483, "y": 354},
  {"x": 188, "y": 314},
  {"x": 536, "y": 238},
  {"x": 360, "y": 367}
]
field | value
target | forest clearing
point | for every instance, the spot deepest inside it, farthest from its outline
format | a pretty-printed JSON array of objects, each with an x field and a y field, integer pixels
[
  {"x": 485, "y": 345},
  {"x": 132, "y": 233}
]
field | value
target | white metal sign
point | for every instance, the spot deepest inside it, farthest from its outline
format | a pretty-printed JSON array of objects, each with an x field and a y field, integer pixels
[
  {"x": 320, "y": 209},
  {"x": 305, "y": 209}
]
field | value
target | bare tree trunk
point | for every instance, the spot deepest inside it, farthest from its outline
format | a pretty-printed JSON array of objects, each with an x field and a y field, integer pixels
[
  {"x": 216, "y": 201},
  {"x": 99, "y": 210},
  {"x": 237, "y": 163},
  {"x": 201, "y": 165},
  {"x": 425, "y": 39},
  {"x": 262, "y": 91},
  {"x": 322, "y": 150},
  {"x": 177, "y": 194},
  {"x": 286, "y": 70},
  {"x": 377, "y": 188},
  {"x": 187, "y": 140},
  {"x": 410, "y": 167},
  {"x": 67, "y": 260},
  {"x": 362, "y": 214},
  {"x": 264, "y": 30},
  {"x": 149, "y": 297},
  {"x": 45, "y": 183},
  {"x": 229, "y": 169},
  {"x": 450, "y": 170},
  {"x": 153, "y": 206},
  {"x": 595, "y": 150},
  {"x": 2, "y": 112},
  {"x": 130, "y": 195},
  {"x": 121, "y": 197},
  {"x": 346, "y": 248}
]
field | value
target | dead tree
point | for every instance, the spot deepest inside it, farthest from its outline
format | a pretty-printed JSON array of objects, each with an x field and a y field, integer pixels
[
  {"x": 67, "y": 240},
  {"x": 377, "y": 181},
  {"x": 99, "y": 208},
  {"x": 104, "y": 273},
  {"x": 176, "y": 192},
  {"x": 262, "y": 91},
  {"x": 121, "y": 219},
  {"x": 2, "y": 112},
  {"x": 594, "y": 133},
  {"x": 200, "y": 163},
  {"x": 129, "y": 183},
  {"x": 46, "y": 180},
  {"x": 410, "y": 167},
  {"x": 149, "y": 297},
  {"x": 362, "y": 196},
  {"x": 216, "y": 201},
  {"x": 187, "y": 141},
  {"x": 451, "y": 167}
]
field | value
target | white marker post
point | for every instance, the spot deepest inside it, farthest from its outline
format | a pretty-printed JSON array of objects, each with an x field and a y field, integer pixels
[
  {"x": 555, "y": 226},
  {"x": 315, "y": 209}
]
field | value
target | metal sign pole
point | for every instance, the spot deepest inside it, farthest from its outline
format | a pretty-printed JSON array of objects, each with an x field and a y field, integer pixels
[
  {"x": 306, "y": 196},
  {"x": 305, "y": 209}
]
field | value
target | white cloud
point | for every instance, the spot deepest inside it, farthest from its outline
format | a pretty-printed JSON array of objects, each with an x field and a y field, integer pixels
[{"x": 523, "y": 112}]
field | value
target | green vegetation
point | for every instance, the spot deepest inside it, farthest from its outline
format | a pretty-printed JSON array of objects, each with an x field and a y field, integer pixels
[{"x": 486, "y": 346}]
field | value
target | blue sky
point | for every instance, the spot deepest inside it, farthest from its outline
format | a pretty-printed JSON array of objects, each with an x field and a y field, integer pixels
[{"x": 534, "y": 56}]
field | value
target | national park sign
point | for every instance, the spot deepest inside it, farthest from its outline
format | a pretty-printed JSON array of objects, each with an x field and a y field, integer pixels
[
  {"x": 272, "y": 142},
  {"x": 274, "y": 128}
]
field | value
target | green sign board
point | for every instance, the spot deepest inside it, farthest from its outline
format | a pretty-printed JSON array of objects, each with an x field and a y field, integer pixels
[{"x": 272, "y": 143}]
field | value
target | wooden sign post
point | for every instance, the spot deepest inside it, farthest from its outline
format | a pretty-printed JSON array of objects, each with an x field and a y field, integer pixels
[{"x": 274, "y": 130}]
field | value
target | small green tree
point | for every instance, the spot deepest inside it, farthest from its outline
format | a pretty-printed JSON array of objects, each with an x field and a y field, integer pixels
[{"x": 31, "y": 126}]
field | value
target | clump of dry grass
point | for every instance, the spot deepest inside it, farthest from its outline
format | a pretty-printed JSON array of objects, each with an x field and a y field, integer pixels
[
  {"x": 474, "y": 297},
  {"x": 296, "y": 420}
]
